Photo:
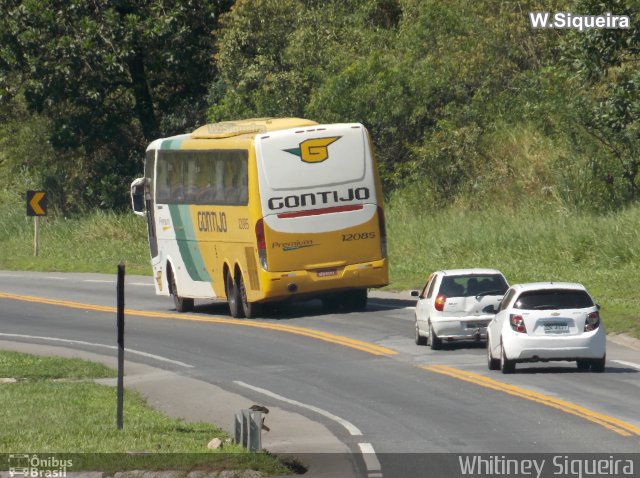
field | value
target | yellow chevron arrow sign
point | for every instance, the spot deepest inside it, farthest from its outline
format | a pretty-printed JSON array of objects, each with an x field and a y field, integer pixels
[{"x": 36, "y": 203}]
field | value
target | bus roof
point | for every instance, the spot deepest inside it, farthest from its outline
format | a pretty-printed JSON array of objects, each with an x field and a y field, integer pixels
[
  {"x": 251, "y": 127},
  {"x": 239, "y": 133}
]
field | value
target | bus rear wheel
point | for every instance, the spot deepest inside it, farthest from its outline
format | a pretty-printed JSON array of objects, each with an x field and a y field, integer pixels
[
  {"x": 250, "y": 309},
  {"x": 182, "y": 304},
  {"x": 233, "y": 297},
  {"x": 355, "y": 300}
]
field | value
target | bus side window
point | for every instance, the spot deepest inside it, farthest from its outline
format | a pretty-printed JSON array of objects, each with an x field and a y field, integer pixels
[
  {"x": 205, "y": 187},
  {"x": 243, "y": 180},
  {"x": 191, "y": 170},
  {"x": 230, "y": 191},
  {"x": 175, "y": 179},
  {"x": 217, "y": 180},
  {"x": 162, "y": 184}
]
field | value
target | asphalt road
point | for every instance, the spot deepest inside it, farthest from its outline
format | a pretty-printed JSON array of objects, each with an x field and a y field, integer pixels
[{"x": 356, "y": 372}]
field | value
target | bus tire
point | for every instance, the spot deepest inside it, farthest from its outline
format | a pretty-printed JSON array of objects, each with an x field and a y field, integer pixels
[
  {"x": 355, "y": 300},
  {"x": 250, "y": 309},
  {"x": 331, "y": 303},
  {"x": 182, "y": 304},
  {"x": 233, "y": 297}
]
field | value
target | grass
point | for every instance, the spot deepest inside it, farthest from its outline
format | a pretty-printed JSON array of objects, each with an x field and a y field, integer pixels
[
  {"x": 55, "y": 407},
  {"x": 527, "y": 243},
  {"x": 96, "y": 242},
  {"x": 34, "y": 368},
  {"x": 532, "y": 244}
]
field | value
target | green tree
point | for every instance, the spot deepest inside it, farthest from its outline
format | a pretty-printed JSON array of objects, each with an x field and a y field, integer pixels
[
  {"x": 273, "y": 54},
  {"x": 109, "y": 76},
  {"x": 607, "y": 61}
]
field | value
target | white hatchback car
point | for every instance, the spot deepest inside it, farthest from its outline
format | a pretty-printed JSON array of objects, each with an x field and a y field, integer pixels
[
  {"x": 457, "y": 305},
  {"x": 546, "y": 321}
]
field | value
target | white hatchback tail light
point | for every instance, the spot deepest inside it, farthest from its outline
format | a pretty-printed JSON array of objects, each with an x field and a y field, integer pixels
[
  {"x": 517, "y": 323},
  {"x": 592, "y": 322}
]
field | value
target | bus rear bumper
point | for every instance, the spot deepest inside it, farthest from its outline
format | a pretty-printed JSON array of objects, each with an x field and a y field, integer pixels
[{"x": 303, "y": 284}]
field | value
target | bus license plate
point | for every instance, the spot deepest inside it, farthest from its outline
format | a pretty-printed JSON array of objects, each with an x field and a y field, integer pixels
[
  {"x": 556, "y": 328},
  {"x": 327, "y": 272}
]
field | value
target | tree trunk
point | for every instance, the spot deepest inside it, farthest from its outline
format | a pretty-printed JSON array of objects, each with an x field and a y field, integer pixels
[{"x": 142, "y": 95}]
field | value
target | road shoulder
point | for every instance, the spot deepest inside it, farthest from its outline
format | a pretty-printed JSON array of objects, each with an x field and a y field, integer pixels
[{"x": 193, "y": 400}]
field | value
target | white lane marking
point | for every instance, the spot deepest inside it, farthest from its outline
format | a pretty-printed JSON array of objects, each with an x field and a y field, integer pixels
[
  {"x": 628, "y": 364},
  {"x": 56, "y": 278},
  {"x": 140, "y": 283},
  {"x": 351, "y": 428},
  {"x": 112, "y": 347},
  {"x": 375, "y": 475},
  {"x": 369, "y": 457},
  {"x": 101, "y": 281}
]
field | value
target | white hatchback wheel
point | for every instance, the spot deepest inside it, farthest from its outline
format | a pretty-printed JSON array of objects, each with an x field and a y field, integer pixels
[
  {"x": 506, "y": 365},
  {"x": 492, "y": 363}
]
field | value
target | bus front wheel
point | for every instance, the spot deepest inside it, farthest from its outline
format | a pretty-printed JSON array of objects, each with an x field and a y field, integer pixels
[
  {"x": 182, "y": 304},
  {"x": 233, "y": 297}
]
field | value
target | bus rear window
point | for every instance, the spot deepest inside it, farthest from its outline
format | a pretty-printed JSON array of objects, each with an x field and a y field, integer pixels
[{"x": 307, "y": 160}]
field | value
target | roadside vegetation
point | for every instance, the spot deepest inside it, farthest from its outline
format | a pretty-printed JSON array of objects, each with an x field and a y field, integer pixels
[
  {"x": 529, "y": 243},
  {"x": 92, "y": 242},
  {"x": 498, "y": 145},
  {"x": 57, "y": 408}
]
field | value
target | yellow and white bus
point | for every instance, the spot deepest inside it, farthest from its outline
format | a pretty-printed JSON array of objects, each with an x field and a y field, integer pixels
[{"x": 264, "y": 210}]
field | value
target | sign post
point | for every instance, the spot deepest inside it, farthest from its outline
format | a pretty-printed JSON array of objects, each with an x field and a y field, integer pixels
[
  {"x": 36, "y": 207},
  {"x": 120, "y": 334}
]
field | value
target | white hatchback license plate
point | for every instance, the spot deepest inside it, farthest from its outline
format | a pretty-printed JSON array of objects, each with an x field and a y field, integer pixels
[{"x": 556, "y": 328}]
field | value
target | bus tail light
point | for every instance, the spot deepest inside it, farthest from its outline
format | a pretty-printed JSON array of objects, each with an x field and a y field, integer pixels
[
  {"x": 439, "y": 303},
  {"x": 383, "y": 233},
  {"x": 262, "y": 245}
]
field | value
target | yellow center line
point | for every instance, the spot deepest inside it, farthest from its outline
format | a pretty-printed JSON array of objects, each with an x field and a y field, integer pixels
[
  {"x": 611, "y": 423},
  {"x": 311, "y": 333}
]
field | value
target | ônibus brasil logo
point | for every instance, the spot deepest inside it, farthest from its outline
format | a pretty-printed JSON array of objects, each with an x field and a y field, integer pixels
[{"x": 313, "y": 150}]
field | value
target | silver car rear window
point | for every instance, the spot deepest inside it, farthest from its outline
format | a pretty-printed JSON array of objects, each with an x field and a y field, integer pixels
[{"x": 472, "y": 285}]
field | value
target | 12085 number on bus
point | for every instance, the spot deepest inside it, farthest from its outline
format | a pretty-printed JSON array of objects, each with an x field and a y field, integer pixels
[{"x": 358, "y": 236}]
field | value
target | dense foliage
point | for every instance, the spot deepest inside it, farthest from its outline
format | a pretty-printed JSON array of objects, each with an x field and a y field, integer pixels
[
  {"x": 86, "y": 84},
  {"x": 466, "y": 103}
]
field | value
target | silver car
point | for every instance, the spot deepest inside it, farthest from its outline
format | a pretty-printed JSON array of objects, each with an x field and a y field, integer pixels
[{"x": 457, "y": 305}]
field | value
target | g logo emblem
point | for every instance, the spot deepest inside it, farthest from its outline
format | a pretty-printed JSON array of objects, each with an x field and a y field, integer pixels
[{"x": 314, "y": 150}]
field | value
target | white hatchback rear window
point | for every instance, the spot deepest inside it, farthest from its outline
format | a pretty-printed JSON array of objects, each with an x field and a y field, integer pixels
[{"x": 554, "y": 299}]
